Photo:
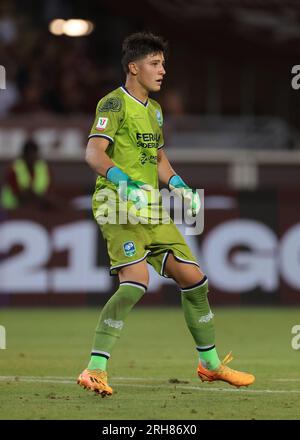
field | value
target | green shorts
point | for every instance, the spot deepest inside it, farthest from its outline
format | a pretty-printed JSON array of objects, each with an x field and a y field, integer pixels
[{"x": 128, "y": 244}]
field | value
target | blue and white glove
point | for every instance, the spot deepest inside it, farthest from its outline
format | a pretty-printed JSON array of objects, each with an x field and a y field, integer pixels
[
  {"x": 180, "y": 188},
  {"x": 129, "y": 189}
]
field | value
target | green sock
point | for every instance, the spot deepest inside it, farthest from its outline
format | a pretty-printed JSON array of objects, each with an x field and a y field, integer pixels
[
  {"x": 209, "y": 358},
  {"x": 97, "y": 363},
  {"x": 199, "y": 319},
  {"x": 111, "y": 321}
]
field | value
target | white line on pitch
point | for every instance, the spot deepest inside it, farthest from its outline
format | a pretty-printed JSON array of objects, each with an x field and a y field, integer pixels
[
  {"x": 160, "y": 379},
  {"x": 134, "y": 379},
  {"x": 285, "y": 380},
  {"x": 183, "y": 387}
]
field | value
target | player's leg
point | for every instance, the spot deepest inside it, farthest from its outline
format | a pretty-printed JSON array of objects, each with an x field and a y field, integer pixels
[
  {"x": 137, "y": 272},
  {"x": 199, "y": 318},
  {"x": 133, "y": 284},
  {"x": 126, "y": 245}
]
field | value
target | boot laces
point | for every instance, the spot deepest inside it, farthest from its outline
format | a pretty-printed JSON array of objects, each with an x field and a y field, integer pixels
[{"x": 228, "y": 358}]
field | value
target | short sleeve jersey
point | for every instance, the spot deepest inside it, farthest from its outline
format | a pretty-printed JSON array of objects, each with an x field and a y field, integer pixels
[{"x": 134, "y": 132}]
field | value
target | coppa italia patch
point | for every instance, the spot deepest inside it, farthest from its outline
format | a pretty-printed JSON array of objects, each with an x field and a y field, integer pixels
[{"x": 101, "y": 124}]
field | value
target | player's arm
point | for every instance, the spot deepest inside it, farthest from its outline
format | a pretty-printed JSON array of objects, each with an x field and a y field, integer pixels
[
  {"x": 96, "y": 155},
  {"x": 168, "y": 176},
  {"x": 100, "y": 162},
  {"x": 165, "y": 170},
  {"x": 109, "y": 115}
]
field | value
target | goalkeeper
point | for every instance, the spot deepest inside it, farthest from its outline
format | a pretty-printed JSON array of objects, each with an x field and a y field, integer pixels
[{"x": 125, "y": 148}]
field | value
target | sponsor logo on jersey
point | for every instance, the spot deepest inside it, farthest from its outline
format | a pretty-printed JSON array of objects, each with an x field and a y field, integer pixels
[
  {"x": 101, "y": 124},
  {"x": 129, "y": 248},
  {"x": 148, "y": 140},
  {"x": 144, "y": 158},
  {"x": 159, "y": 118}
]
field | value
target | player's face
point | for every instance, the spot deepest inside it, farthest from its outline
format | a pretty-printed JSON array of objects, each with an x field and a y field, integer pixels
[{"x": 150, "y": 71}]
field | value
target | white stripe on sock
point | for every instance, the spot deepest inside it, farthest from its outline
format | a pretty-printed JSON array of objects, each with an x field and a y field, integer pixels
[{"x": 100, "y": 352}]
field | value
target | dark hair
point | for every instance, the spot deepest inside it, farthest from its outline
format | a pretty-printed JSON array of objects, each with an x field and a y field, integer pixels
[{"x": 139, "y": 45}]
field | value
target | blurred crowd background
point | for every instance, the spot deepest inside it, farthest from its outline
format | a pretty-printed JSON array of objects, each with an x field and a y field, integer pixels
[
  {"x": 232, "y": 127},
  {"x": 226, "y": 58}
]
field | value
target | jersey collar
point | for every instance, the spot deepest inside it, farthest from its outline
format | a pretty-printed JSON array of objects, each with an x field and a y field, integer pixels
[{"x": 132, "y": 97}]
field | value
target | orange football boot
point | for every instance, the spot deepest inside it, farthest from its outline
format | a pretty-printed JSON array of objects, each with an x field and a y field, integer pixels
[
  {"x": 226, "y": 374},
  {"x": 95, "y": 380}
]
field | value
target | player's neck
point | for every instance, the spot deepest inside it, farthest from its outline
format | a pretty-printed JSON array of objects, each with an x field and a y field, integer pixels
[{"x": 137, "y": 91}]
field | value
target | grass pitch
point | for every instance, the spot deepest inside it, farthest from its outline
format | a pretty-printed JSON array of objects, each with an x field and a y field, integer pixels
[{"x": 153, "y": 367}]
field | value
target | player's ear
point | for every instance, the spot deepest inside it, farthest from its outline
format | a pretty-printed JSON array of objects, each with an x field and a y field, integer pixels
[{"x": 133, "y": 69}]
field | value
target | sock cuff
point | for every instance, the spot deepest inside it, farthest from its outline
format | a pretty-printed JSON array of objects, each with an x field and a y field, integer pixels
[
  {"x": 100, "y": 353},
  {"x": 201, "y": 283},
  {"x": 205, "y": 348},
  {"x": 134, "y": 284}
]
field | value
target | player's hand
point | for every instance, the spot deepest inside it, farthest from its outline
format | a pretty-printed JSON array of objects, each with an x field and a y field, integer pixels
[
  {"x": 128, "y": 189},
  {"x": 180, "y": 188},
  {"x": 134, "y": 191}
]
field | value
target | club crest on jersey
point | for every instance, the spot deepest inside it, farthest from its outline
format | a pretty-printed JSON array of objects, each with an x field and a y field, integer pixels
[
  {"x": 159, "y": 118},
  {"x": 129, "y": 248},
  {"x": 101, "y": 124}
]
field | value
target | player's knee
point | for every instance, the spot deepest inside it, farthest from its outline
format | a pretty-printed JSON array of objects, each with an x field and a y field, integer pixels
[
  {"x": 135, "y": 272},
  {"x": 189, "y": 276},
  {"x": 183, "y": 274},
  {"x": 201, "y": 286}
]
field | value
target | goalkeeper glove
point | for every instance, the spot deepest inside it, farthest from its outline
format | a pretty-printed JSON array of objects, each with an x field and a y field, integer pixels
[
  {"x": 183, "y": 190},
  {"x": 128, "y": 189}
]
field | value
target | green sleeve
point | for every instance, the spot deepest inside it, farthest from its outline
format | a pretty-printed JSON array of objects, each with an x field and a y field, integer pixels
[
  {"x": 160, "y": 120},
  {"x": 109, "y": 117}
]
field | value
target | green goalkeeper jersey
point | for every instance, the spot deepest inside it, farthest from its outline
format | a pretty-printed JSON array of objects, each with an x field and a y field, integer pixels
[{"x": 134, "y": 132}]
